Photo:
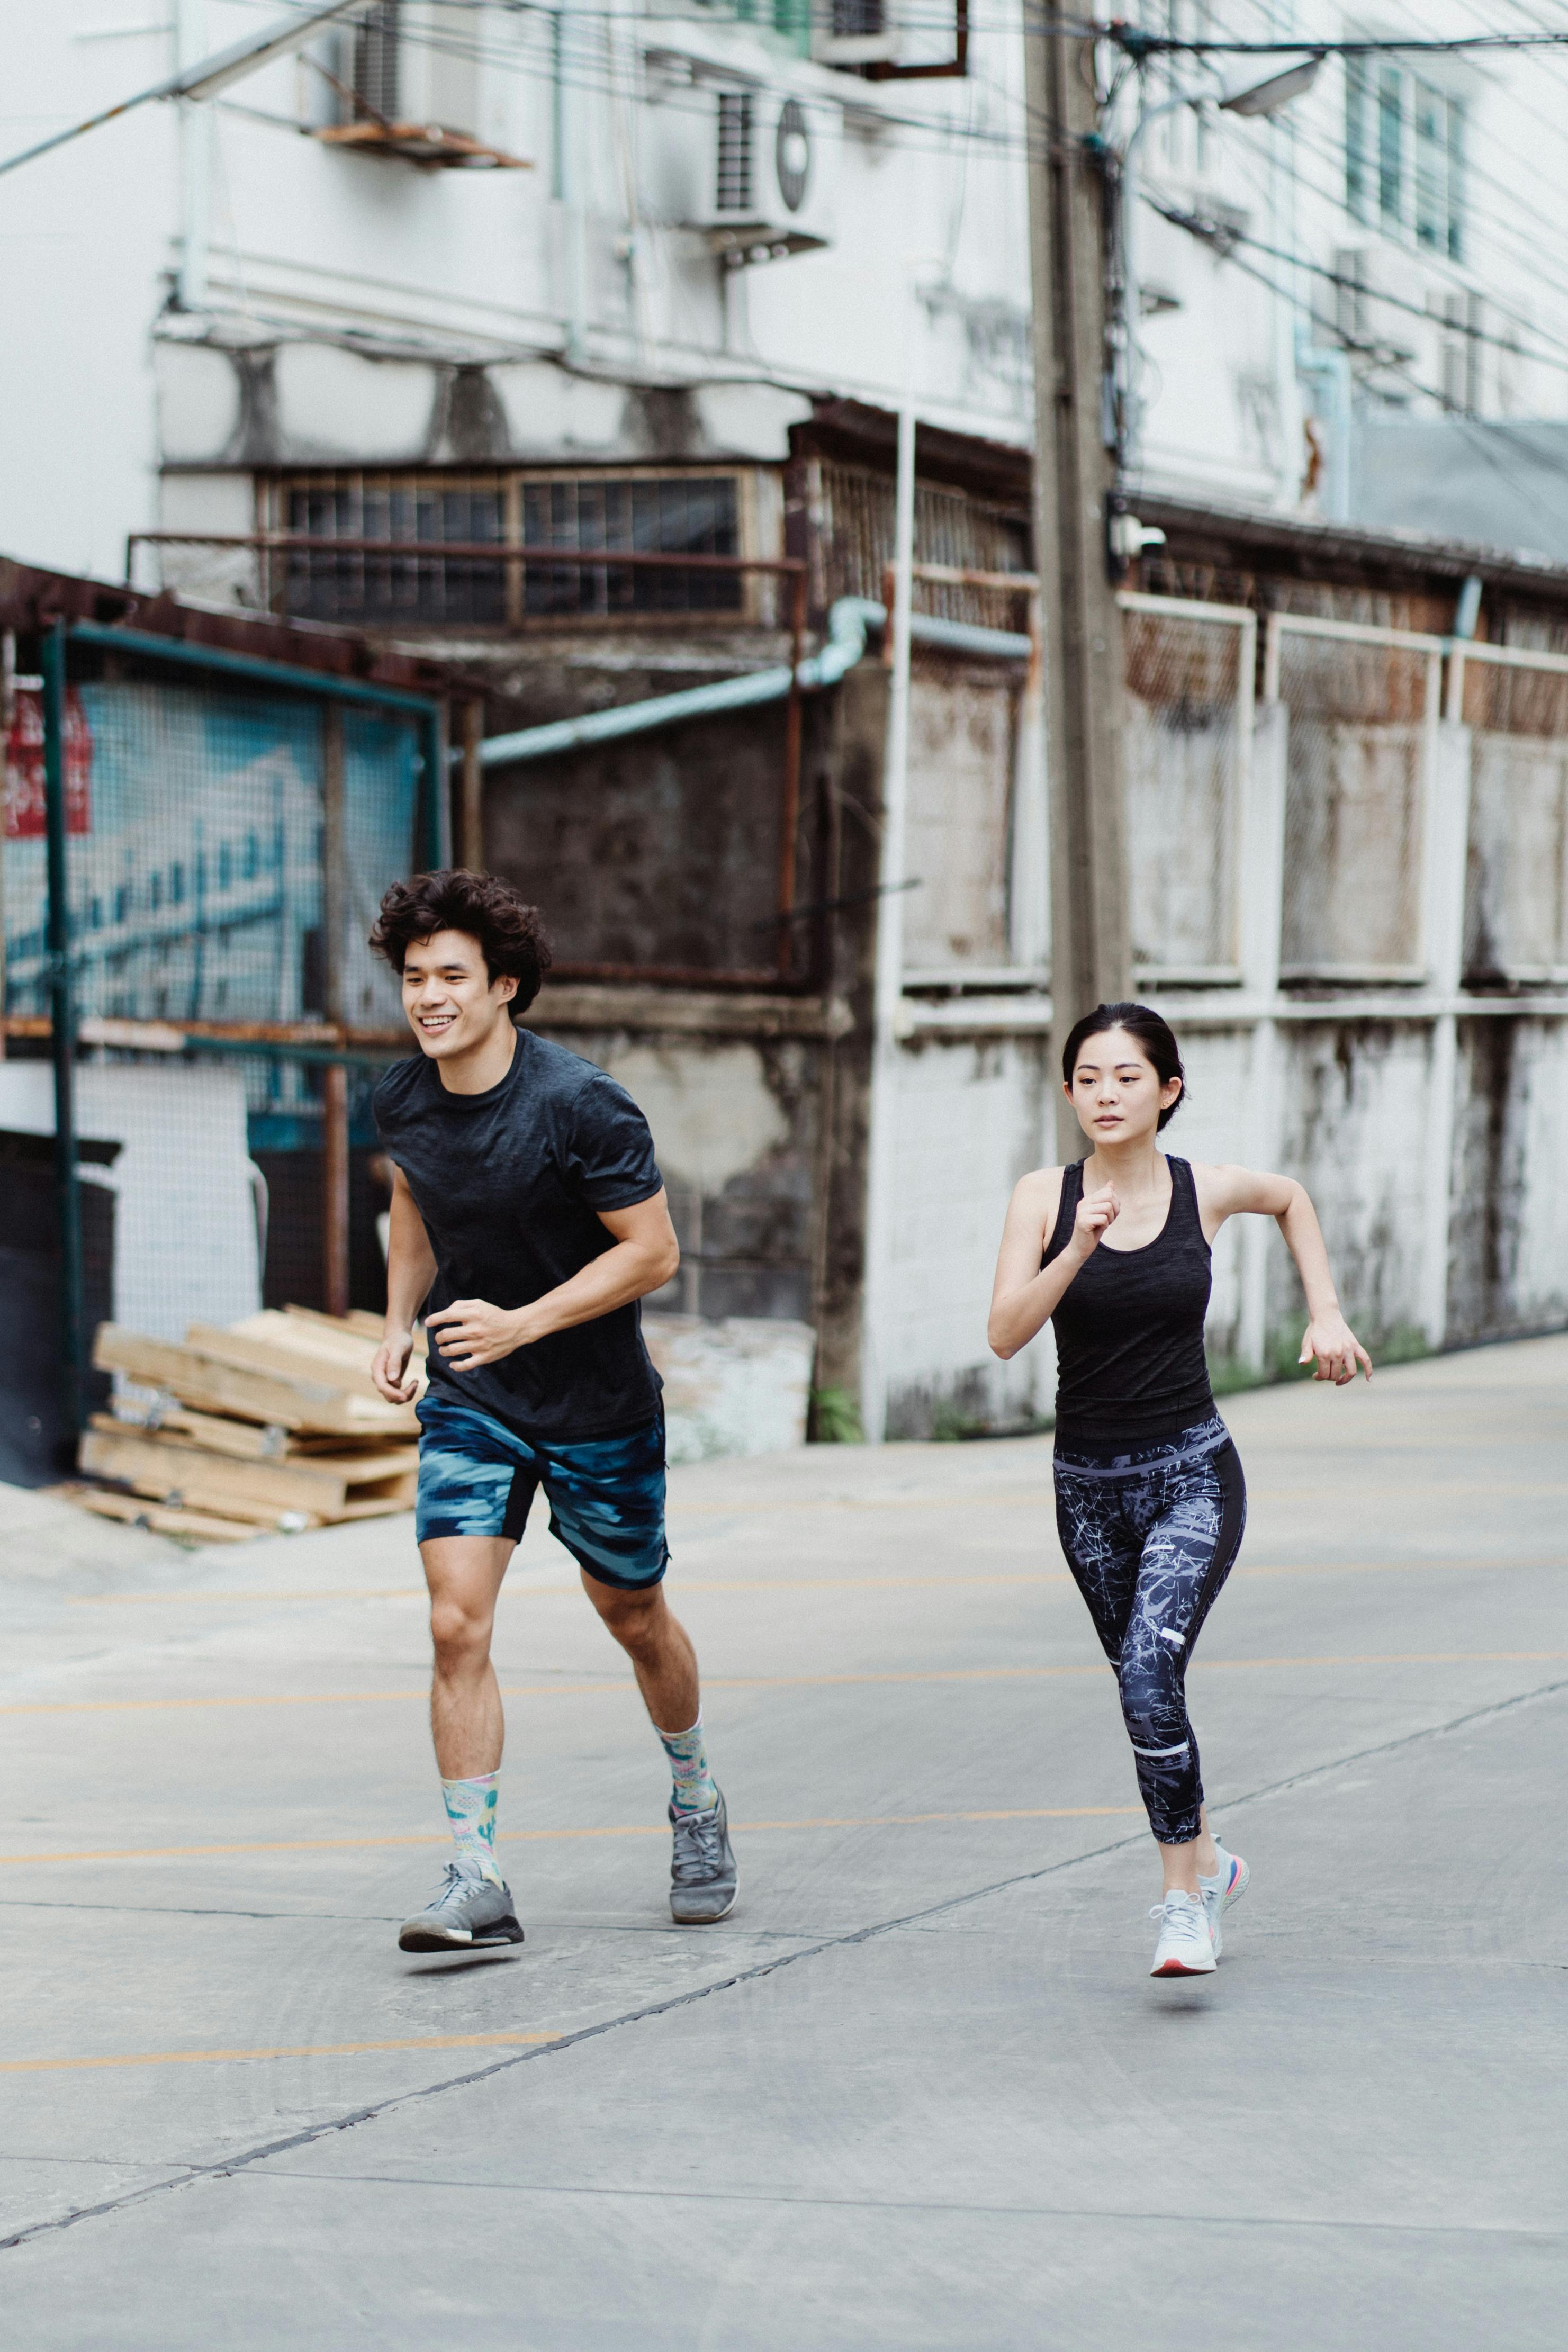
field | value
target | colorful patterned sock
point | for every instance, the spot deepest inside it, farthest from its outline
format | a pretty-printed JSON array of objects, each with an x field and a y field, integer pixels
[
  {"x": 694, "y": 1792},
  {"x": 471, "y": 1810}
]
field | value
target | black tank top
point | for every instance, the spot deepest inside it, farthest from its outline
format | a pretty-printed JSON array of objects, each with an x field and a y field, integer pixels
[{"x": 1130, "y": 1326}]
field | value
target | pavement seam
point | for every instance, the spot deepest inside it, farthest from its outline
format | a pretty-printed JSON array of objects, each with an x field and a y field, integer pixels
[{"x": 397, "y": 2100}]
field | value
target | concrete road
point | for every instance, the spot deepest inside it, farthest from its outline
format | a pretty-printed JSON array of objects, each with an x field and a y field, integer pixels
[{"x": 919, "y": 2091}]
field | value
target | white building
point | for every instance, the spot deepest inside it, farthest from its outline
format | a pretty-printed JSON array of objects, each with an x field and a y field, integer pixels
[
  {"x": 724, "y": 213},
  {"x": 236, "y": 286},
  {"x": 333, "y": 304}
]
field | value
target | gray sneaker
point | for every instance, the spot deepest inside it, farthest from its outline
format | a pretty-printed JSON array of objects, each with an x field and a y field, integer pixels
[
  {"x": 702, "y": 1875},
  {"x": 469, "y": 1911}
]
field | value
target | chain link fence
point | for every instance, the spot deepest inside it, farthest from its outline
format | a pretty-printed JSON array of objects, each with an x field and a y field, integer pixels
[
  {"x": 193, "y": 857},
  {"x": 1186, "y": 749}
]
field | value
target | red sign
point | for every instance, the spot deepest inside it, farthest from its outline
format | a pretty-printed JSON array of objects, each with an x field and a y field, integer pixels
[{"x": 25, "y": 767}]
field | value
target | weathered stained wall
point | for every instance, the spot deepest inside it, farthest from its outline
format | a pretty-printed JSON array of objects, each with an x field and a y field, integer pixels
[
  {"x": 1356, "y": 1128},
  {"x": 660, "y": 851},
  {"x": 736, "y": 1125},
  {"x": 973, "y": 1115},
  {"x": 757, "y": 1096},
  {"x": 1508, "y": 1263},
  {"x": 962, "y": 722}
]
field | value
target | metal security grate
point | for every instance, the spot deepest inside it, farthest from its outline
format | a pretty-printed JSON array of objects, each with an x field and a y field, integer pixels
[
  {"x": 733, "y": 190},
  {"x": 853, "y": 514},
  {"x": 1187, "y": 743},
  {"x": 679, "y": 515},
  {"x": 1362, "y": 705},
  {"x": 412, "y": 587},
  {"x": 436, "y": 526},
  {"x": 377, "y": 59},
  {"x": 1515, "y": 703}
]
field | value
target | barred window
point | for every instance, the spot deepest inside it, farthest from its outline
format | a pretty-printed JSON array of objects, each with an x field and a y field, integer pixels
[{"x": 656, "y": 512}]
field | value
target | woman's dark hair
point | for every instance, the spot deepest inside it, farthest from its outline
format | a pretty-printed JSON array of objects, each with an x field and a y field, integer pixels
[
  {"x": 510, "y": 936},
  {"x": 1140, "y": 1020}
]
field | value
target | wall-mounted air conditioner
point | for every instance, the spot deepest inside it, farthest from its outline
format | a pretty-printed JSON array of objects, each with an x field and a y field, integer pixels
[
  {"x": 855, "y": 33},
  {"x": 755, "y": 170}
]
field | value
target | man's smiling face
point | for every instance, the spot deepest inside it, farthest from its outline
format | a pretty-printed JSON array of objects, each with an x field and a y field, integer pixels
[{"x": 451, "y": 1001}]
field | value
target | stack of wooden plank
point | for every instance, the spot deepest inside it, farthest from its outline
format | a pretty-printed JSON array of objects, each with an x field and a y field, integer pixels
[{"x": 270, "y": 1426}]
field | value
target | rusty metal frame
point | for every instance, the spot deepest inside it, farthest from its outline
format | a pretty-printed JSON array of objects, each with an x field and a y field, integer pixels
[
  {"x": 960, "y": 575},
  {"x": 782, "y": 972}
]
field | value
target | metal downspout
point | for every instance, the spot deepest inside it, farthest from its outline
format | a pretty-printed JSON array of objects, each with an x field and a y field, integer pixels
[{"x": 849, "y": 622}]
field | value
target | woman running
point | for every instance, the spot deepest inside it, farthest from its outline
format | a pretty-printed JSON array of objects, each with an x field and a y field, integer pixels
[{"x": 1151, "y": 1503}]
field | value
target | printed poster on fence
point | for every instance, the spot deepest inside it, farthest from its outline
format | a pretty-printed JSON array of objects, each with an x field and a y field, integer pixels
[{"x": 25, "y": 767}]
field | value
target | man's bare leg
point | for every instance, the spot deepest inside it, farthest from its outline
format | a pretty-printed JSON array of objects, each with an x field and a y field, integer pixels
[
  {"x": 464, "y": 1574},
  {"x": 474, "y": 1906},
  {"x": 658, "y": 1646},
  {"x": 702, "y": 1878}
]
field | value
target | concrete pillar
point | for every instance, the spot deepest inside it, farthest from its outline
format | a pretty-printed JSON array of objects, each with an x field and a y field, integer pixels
[
  {"x": 1445, "y": 853},
  {"x": 1262, "y": 911}
]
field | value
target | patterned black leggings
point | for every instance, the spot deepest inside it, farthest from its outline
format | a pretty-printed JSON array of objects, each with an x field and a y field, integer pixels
[{"x": 1151, "y": 1535}]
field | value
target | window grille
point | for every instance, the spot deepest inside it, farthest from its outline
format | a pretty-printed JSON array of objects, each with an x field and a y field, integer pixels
[
  {"x": 1358, "y": 172},
  {"x": 655, "y": 511},
  {"x": 856, "y": 524},
  {"x": 1405, "y": 156},
  {"x": 677, "y": 515},
  {"x": 377, "y": 43},
  {"x": 733, "y": 193}
]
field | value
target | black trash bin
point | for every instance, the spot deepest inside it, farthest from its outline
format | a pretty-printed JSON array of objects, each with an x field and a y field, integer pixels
[{"x": 37, "y": 1445}]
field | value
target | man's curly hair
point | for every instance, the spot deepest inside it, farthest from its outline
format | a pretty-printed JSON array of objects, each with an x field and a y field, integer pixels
[{"x": 509, "y": 931}]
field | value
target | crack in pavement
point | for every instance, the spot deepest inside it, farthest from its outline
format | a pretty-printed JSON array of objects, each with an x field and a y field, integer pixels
[
  {"x": 396, "y": 2100},
  {"x": 771, "y": 2197}
]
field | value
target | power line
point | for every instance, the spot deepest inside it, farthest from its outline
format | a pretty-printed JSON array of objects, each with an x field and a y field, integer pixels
[
  {"x": 1139, "y": 44},
  {"x": 1220, "y": 236},
  {"x": 1483, "y": 436}
]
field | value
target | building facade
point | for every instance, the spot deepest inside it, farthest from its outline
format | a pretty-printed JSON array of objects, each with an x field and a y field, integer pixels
[{"x": 560, "y": 349}]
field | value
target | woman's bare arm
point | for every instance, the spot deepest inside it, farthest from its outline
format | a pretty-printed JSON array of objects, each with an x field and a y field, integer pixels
[
  {"x": 1025, "y": 1294},
  {"x": 1230, "y": 1192}
]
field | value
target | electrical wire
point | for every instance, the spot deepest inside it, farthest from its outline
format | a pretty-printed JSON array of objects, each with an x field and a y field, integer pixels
[
  {"x": 934, "y": 135},
  {"x": 1484, "y": 438},
  {"x": 1219, "y": 235}
]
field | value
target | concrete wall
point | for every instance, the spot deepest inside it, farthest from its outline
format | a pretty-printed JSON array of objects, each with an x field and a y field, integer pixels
[
  {"x": 973, "y": 1115},
  {"x": 1422, "y": 1100}
]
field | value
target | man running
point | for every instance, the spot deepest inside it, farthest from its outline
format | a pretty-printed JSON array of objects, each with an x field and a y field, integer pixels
[{"x": 528, "y": 1217}]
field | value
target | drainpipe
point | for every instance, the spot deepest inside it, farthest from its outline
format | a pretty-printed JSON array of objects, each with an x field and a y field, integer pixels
[
  {"x": 196, "y": 161},
  {"x": 571, "y": 177},
  {"x": 849, "y": 624},
  {"x": 1330, "y": 369}
]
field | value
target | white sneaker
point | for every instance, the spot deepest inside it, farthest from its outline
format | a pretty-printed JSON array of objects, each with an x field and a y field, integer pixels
[
  {"x": 1227, "y": 1886},
  {"x": 1186, "y": 1948}
]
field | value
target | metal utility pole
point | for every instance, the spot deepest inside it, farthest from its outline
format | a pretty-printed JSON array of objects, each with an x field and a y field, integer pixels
[
  {"x": 1074, "y": 473},
  {"x": 335, "y": 1178},
  {"x": 62, "y": 1029}
]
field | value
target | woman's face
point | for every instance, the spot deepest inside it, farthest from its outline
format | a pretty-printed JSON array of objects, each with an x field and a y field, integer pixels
[{"x": 1115, "y": 1090}]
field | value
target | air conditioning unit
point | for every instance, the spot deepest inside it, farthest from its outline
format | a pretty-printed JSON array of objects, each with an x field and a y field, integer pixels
[
  {"x": 856, "y": 33},
  {"x": 762, "y": 185}
]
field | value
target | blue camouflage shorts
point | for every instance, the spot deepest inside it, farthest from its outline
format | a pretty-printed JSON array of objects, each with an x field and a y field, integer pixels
[{"x": 478, "y": 1477}]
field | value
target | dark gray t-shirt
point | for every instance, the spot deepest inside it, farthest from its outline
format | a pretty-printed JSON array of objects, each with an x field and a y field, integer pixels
[{"x": 508, "y": 1183}]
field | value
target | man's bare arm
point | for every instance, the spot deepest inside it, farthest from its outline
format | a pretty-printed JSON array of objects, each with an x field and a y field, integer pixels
[
  {"x": 410, "y": 1271},
  {"x": 646, "y": 1254}
]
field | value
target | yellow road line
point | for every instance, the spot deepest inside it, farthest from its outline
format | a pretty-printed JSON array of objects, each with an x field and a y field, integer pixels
[
  {"x": 554, "y": 1837},
  {"x": 298, "y": 2049},
  {"x": 271, "y": 1699},
  {"x": 572, "y": 1592},
  {"x": 790, "y": 1682},
  {"x": 682, "y": 1586}
]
